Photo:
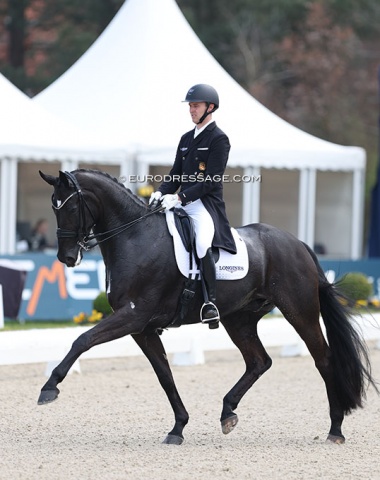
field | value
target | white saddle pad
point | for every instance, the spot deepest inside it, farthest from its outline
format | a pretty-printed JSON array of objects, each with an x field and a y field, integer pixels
[{"x": 228, "y": 266}]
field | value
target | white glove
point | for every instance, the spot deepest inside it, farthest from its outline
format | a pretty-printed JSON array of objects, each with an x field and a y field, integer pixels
[
  {"x": 170, "y": 201},
  {"x": 154, "y": 199}
]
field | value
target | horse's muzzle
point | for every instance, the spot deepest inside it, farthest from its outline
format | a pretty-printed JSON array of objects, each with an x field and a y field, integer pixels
[{"x": 70, "y": 259}]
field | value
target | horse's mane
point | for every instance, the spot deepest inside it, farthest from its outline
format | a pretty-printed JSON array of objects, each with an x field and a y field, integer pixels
[{"x": 129, "y": 192}]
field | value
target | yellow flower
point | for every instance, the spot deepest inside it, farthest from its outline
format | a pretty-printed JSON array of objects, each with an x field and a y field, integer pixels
[
  {"x": 83, "y": 318},
  {"x": 95, "y": 316},
  {"x": 361, "y": 303},
  {"x": 80, "y": 318}
]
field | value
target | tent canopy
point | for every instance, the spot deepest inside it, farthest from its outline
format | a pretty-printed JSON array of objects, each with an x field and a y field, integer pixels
[
  {"x": 29, "y": 132},
  {"x": 128, "y": 87}
]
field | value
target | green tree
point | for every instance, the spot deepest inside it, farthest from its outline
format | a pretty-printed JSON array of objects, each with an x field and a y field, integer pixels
[
  {"x": 45, "y": 37},
  {"x": 312, "y": 62}
]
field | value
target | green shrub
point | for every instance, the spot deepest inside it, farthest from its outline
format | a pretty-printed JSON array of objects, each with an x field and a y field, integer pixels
[
  {"x": 355, "y": 286},
  {"x": 100, "y": 304}
]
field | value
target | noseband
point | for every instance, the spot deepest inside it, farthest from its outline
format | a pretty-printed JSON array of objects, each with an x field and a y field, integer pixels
[
  {"x": 80, "y": 233},
  {"x": 83, "y": 238}
]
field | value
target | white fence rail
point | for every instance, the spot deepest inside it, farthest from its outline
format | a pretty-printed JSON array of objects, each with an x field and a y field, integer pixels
[{"x": 50, "y": 345}]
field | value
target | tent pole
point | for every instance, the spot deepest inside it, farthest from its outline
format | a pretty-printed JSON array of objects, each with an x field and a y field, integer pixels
[
  {"x": 357, "y": 214},
  {"x": 247, "y": 190},
  {"x": 131, "y": 166},
  {"x": 251, "y": 196},
  {"x": 4, "y": 205},
  {"x": 310, "y": 217},
  {"x": 69, "y": 165},
  {"x": 256, "y": 190},
  {"x": 12, "y": 205},
  {"x": 302, "y": 204},
  {"x": 1, "y": 308}
]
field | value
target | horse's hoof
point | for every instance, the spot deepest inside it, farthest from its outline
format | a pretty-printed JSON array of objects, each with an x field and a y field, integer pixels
[
  {"x": 173, "y": 440},
  {"x": 335, "y": 439},
  {"x": 229, "y": 424},
  {"x": 48, "y": 396}
]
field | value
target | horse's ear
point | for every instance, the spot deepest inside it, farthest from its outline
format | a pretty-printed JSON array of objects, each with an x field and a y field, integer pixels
[
  {"x": 49, "y": 178},
  {"x": 64, "y": 180}
]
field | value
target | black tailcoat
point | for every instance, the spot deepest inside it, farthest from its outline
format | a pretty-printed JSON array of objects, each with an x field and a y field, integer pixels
[{"x": 198, "y": 172}]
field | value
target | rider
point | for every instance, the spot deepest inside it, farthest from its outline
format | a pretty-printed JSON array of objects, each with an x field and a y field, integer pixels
[{"x": 195, "y": 183}]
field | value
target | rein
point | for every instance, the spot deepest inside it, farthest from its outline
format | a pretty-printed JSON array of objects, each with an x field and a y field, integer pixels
[
  {"x": 114, "y": 231},
  {"x": 87, "y": 238}
]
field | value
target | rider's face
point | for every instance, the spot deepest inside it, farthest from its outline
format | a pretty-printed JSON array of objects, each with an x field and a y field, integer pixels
[{"x": 197, "y": 109}]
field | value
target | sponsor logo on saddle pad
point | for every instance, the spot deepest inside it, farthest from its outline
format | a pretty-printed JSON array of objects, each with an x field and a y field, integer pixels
[{"x": 228, "y": 266}]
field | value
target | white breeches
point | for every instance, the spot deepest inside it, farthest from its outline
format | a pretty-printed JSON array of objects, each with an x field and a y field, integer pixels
[{"x": 203, "y": 226}]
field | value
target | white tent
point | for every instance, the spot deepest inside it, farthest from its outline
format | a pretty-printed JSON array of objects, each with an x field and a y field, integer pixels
[
  {"x": 127, "y": 88},
  {"x": 29, "y": 133}
]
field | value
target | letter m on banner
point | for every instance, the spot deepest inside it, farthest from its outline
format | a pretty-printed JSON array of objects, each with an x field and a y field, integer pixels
[{"x": 53, "y": 275}]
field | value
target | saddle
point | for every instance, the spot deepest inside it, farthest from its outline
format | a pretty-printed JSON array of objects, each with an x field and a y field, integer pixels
[
  {"x": 185, "y": 229},
  {"x": 228, "y": 266}
]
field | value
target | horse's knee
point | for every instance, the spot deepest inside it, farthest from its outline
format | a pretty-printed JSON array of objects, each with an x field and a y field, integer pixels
[{"x": 82, "y": 343}]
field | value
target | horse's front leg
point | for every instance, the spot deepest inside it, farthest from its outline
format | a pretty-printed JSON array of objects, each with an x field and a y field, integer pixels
[
  {"x": 111, "y": 328},
  {"x": 153, "y": 349}
]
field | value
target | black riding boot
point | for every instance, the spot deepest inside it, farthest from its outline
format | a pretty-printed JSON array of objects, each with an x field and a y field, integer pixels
[{"x": 209, "y": 312}]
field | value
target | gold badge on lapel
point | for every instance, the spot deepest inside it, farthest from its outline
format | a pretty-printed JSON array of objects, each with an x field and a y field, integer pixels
[{"x": 202, "y": 166}]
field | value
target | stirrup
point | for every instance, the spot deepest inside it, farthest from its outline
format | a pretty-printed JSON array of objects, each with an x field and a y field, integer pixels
[{"x": 213, "y": 319}]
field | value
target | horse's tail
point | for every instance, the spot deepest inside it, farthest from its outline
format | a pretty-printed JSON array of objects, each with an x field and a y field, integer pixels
[{"x": 349, "y": 354}]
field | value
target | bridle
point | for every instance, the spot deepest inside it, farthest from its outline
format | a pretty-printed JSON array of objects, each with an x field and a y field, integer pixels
[{"x": 86, "y": 240}]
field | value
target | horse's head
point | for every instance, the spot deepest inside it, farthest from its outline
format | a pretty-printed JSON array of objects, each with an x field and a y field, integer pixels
[{"x": 74, "y": 218}]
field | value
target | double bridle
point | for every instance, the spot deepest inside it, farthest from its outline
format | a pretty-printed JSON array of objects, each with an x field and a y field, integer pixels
[{"x": 86, "y": 240}]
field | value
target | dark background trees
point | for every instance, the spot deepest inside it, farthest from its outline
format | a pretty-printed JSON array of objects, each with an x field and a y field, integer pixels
[
  {"x": 41, "y": 39},
  {"x": 312, "y": 62}
]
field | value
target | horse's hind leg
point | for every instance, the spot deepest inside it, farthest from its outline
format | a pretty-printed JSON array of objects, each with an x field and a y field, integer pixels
[
  {"x": 304, "y": 317},
  {"x": 242, "y": 329}
]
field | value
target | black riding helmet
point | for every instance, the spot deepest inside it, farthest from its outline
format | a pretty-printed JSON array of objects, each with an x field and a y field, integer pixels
[{"x": 203, "y": 93}]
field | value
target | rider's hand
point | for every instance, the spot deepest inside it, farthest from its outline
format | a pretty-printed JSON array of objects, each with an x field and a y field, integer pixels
[
  {"x": 170, "y": 201},
  {"x": 155, "y": 199}
]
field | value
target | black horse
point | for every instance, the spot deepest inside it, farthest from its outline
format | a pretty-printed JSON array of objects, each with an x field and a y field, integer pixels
[{"x": 144, "y": 286}]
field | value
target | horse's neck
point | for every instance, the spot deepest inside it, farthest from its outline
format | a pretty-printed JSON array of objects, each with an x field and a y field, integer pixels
[{"x": 120, "y": 207}]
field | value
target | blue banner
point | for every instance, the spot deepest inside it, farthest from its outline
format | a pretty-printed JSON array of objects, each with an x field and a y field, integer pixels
[
  {"x": 336, "y": 269},
  {"x": 374, "y": 233},
  {"x": 54, "y": 292}
]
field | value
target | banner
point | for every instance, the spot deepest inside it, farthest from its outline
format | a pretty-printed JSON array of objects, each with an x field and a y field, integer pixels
[
  {"x": 374, "y": 233},
  {"x": 53, "y": 291}
]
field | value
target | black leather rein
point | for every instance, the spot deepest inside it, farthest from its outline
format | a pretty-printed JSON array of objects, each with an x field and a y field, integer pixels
[{"x": 83, "y": 237}]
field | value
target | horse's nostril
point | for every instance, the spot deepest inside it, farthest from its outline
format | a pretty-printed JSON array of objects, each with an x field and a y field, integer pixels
[
  {"x": 67, "y": 260},
  {"x": 70, "y": 261}
]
